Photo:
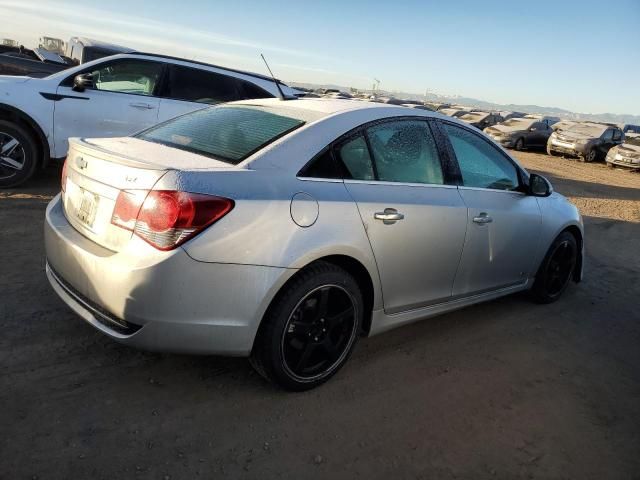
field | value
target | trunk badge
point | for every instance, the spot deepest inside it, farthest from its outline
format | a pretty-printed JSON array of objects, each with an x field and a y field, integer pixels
[{"x": 81, "y": 163}]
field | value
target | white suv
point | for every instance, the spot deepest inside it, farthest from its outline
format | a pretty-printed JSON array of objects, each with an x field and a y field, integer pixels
[{"x": 109, "y": 97}]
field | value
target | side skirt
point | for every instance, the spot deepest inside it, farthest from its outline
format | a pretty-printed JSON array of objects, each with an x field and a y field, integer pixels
[{"x": 381, "y": 322}]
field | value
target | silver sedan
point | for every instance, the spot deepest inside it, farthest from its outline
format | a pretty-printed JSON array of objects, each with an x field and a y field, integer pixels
[{"x": 286, "y": 230}]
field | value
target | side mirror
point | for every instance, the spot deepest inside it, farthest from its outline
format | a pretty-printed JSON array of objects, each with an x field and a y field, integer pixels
[
  {"x": 539, "y": 186},
  {"x": 82, "y": 81}
]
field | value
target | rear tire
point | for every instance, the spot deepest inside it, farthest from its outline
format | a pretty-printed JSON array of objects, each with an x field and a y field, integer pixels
[
  {"x": 311, "y": 328},
  {"x": 18, "y": 154},
  {"x": 556, "y": 270},
  {"x": 519, "y": 146}
]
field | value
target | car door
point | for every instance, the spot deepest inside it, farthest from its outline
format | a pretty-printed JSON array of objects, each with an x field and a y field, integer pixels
[
  {"x": 538, "y": 134},
  {"x": 606, "y": 142},
  {"x": 503, "y": 223},
  {"x": 188, "y": 89},
  {"x": 415, "y": 221},
  {"x": 120, "y": 102}
]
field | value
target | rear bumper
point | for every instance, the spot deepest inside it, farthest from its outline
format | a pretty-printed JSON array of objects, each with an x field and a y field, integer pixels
[{"x": 161, "y": 301}]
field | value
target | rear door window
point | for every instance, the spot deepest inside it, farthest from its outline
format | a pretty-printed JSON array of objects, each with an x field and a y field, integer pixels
[
  {"x": 405, "y": 151},
  {"x": 203, "y": 86}
]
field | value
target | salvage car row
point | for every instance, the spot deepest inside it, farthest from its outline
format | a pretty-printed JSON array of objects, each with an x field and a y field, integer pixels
[{"x": 587, "y": 141}]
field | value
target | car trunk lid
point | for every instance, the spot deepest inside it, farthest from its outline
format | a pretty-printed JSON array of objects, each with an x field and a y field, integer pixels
[{"x": 98, "y": 169}]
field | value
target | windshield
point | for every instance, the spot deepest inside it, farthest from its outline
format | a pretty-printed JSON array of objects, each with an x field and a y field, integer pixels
[
  {"x": 227, "y": 133},
  {"x": 518, "y": 122},
  {"x": 635, "y": 141},
  {"x": 585, "y": 129}
]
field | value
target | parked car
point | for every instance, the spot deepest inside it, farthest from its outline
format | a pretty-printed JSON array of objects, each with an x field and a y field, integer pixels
[
  {"x": 506, "y": 114},
  {"x": 627, "y": 154},
  {"x": 563, "y": 125},
  {"x": 418, "y": 106},
  {"x": 83, "y": 50},
  {"x": 481, "y": 120},
  {"x": 109, "y": 97},
  {"x": 51, "y": 44},
  {"x": 41, "y": 62},
  {"x": 587, "y": 141},
  {"x": 453, "y": 112},
  {"x": 284, "y": 230},
  {"x": 628, "y": 128},
  {"x": 549, "y": 120},
  {"x": 520, "y": 133}
]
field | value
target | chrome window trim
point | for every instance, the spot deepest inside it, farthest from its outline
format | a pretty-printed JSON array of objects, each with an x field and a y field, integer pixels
[
  {"x": 498, "y": 190},
  {"x": 404, "y": 184},
  {"x": 320, "y": 179}
]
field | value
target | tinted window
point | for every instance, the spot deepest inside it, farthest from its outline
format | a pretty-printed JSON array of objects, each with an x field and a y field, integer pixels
[
  {"x": 323, "y": 166},
  {"x": 226, "y": 133},
  {"x": 481, "y": 165},
  {"x": 127, "y": 76},
  {"x": 354, "y": 155},
  {"x": 405, "y": 151},
  {"x": 607, "y": 135},
  {"x": 194, "y": 85},
  {"x": 617, "y": 134}
]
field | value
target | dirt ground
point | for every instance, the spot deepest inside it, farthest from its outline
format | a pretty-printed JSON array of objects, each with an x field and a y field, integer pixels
[{"x": 507, "y": 389}]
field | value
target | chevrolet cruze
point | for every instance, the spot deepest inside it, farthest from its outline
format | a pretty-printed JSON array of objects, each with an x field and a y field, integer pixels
[{"x": 285, "y": 230}]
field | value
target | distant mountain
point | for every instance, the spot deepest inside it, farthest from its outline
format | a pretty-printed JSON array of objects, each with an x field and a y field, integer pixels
[{"x": 474, "y": 102}]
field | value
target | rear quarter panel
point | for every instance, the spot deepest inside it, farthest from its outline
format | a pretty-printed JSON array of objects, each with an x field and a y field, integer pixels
[{"x": 260, "y": 229}]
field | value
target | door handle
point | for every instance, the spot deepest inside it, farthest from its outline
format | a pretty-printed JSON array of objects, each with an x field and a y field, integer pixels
[
  {"x": 390, "y": 215},
  {"x": 482, "y": 219},
  {"x": 142, "y": 106}
]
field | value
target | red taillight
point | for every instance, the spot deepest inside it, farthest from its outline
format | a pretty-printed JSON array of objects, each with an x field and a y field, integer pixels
[
  {"x": 63, "y": 177},
  {"x": 167, "y": 218}
]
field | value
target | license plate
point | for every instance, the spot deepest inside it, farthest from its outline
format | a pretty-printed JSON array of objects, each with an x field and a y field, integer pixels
[{"x": 86, "y": 212}]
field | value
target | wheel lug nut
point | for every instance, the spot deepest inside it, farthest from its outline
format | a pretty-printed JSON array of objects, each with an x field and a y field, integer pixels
[{"x": 316, "y": 339}]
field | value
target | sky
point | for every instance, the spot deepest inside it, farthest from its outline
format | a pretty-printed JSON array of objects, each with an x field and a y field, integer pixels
[{"x": 583, "y": 56}]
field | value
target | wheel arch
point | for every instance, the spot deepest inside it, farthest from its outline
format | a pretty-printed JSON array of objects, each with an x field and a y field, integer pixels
[
  {"x": 12, "y": 113},
  {"x": 348, "y": 263}
]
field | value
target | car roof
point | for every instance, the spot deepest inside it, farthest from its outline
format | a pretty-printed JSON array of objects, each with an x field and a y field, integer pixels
[
  {"x": 326, "y": 106},
  {"x": 205, "y": 64}
]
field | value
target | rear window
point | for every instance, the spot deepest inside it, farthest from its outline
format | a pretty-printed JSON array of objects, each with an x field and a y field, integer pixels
[{"x": 230, "y": 134}]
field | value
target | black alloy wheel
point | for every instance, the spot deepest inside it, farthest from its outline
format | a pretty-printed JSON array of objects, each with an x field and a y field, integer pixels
[
  {"x": 318, "y": 332},
  {"x": 310, "y": 329},
  {"x": 557, "y": 269}
]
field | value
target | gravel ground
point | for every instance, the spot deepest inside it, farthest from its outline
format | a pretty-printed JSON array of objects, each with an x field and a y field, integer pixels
[{"x": 507, "y": 389}]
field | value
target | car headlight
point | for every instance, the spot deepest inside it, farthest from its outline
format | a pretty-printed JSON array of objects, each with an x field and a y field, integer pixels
[{"x": 582, "y": 141}]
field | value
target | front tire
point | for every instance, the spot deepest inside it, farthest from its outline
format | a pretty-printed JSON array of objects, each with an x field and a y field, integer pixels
[
  {"x": 556, "y": 270},
  {"x": 311, "y": 328},
  {"x": 18, "y": 154},
  {"x": 519, "y": 146},
  {"x": 590, "y": 156}
]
